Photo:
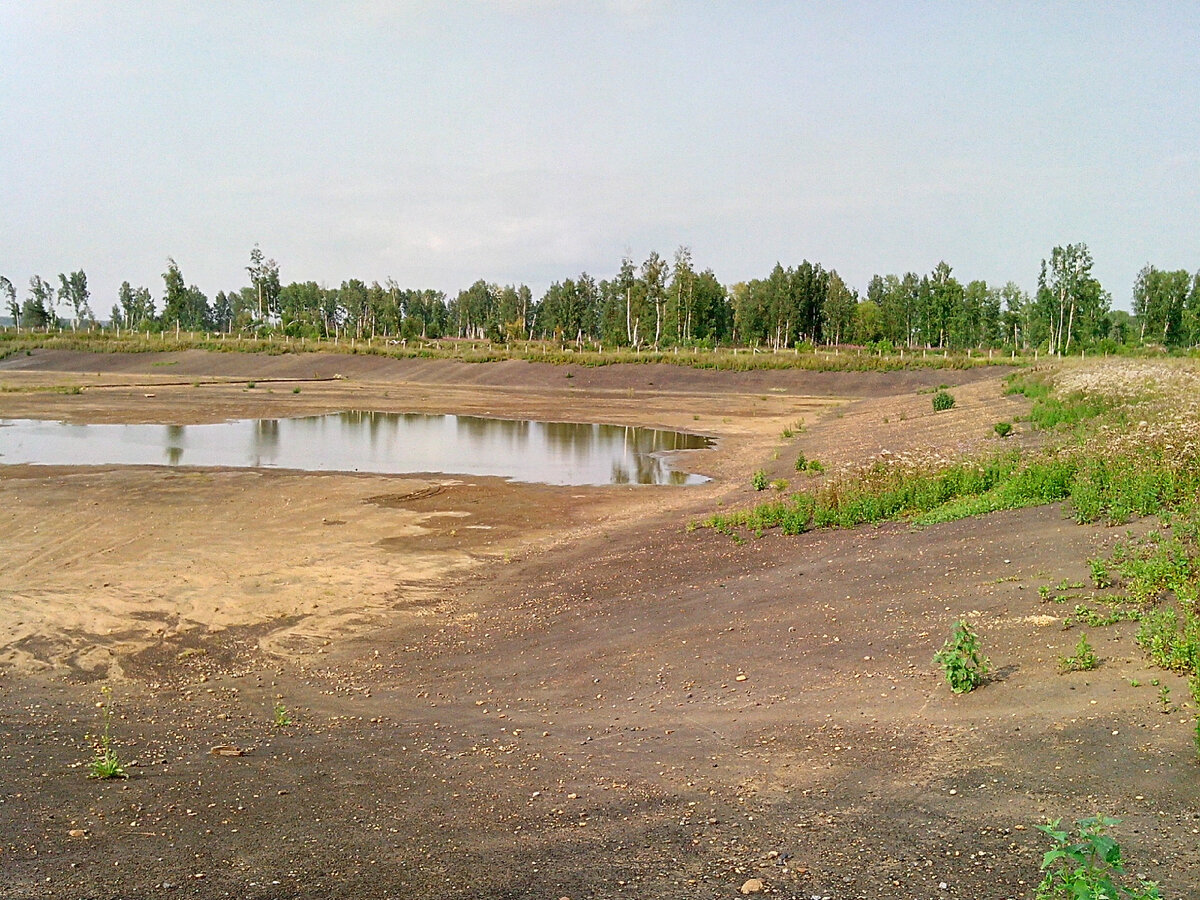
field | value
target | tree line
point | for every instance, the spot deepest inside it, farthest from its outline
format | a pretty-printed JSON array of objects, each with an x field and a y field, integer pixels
[{"x": 663, "y": 303}]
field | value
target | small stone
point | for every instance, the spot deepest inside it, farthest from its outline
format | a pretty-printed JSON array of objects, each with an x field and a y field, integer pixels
[
  {"x": 78, "y": 832},
  {"x": 752, "y": 886},
  {"x": 741, "y": 676}
]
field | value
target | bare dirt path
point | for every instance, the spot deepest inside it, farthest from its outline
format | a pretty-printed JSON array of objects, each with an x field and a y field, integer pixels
[{"x": 584, "y": 700}]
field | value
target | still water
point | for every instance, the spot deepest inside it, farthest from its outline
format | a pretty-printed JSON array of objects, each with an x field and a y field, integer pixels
[{"x": 387, "y": 443}]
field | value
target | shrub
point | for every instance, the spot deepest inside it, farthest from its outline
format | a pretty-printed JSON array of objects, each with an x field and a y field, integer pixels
[
  {"x": 801, "y": 463},
  {"x": 1083, "y": 660},
  {"x": 759, "y": 480},
  {"x": 965, "y": 668},
  {"x": 1002, "y": 429},
  {"x": 942, "y": 400},
  {"x": 1087, "y": 867}
]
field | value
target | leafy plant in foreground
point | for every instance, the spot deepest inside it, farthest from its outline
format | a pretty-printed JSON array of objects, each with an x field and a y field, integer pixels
[
  {"x": 943, "y": 400},
  {"x": 1087, "y": 867},
  {"x": 106, "y": 764},
  {"x": 1083, "y": 660},
  {"x": 964, "y": 666}
]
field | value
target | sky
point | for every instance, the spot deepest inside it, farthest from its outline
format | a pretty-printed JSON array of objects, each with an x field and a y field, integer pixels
[{"x": 439, "y": 143}]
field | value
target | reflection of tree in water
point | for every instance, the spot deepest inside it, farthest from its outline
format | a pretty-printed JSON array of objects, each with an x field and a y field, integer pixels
[
  {"x": 571, "y": 437},
  {"x": 620, "y": 474},
  {"x": 266, "y": 433},
  {"x": 174, "y": 443},
  {"x": 482, "y": 430}
]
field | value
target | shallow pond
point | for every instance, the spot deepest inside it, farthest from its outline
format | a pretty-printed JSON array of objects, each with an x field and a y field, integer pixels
[{"x": 378, "y": 442}]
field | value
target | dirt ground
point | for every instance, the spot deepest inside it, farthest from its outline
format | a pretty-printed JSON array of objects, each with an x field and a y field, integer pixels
[{"x": 506, "y": 690}]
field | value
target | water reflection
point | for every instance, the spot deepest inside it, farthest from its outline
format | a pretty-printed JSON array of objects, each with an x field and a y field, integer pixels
[{"x": 356, "y": 441}]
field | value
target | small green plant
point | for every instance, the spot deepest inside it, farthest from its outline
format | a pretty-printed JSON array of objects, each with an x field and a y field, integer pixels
[
  {"x": 942, "y": 400},
  {"x": 779, "y": 484},
  {"x": 106, "y": 764},
  {"x": 1133, "y": 682},
  {"x": 1044, "y": 592},
  {"x": 1088, "y": 866},
  {"x": 281, "y": 716},
  {"x": 249, "y": 384},
  {"x": 1196, "y": 736},
  {"x": 1100, "y": 576},
  {"x": 1164, "y": 699},
  {"x": 801, "y": 463},
  {"x": 1083, "y": 660},
  {"x": 1002, "y": 429},
  {"x": 815, "y": 466},
  {"x": 964, "y": 666},
  {"x": 295, "y": 390},
  {"x": 759, "y": 480}
]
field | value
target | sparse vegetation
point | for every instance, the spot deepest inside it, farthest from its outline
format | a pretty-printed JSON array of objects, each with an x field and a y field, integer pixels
[
  {"x": 1087, "y": 866},
  {"x": 280, "y": 715},
  {"x": 1084, "y": 658},
  {"x": 759, "y": 480},
  {"x": 943, "y": 400},
  {"x": 1002, "y": 429},
  {"x": 961, "y": 662},
  {"x": 106, "y": 764}
]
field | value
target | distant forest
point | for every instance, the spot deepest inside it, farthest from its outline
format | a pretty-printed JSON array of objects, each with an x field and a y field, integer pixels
[{"x": 662, "y": 303}]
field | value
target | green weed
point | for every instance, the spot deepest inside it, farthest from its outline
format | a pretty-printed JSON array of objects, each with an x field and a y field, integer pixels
[
  {"x": 280, "y": 715},
  {"x": 1087, "y": 866},
  {"x": 964, "y": 666},
  {"x": 106, "y": 764},
  {"x": 943, "y": 400},
  {"x": 759, "y": 480},
  {"x": 1084, "y": 658},
  {"x": 1164, "y": 699},
  {"x": 1100, "y": 577},
  {"x": 1002, "y": 429}
]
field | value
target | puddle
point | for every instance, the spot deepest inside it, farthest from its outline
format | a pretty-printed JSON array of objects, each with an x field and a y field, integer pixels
[{"x": 377, "y": 442}]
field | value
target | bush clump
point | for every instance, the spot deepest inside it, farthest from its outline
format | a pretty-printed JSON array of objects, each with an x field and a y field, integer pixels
[
  {"x": 943, "y": 400},
  {"x": 964, "y": 666}
]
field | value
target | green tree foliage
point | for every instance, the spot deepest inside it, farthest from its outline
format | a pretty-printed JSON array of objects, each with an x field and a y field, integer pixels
[
  {"x": 38, "y": 309},
  {"x": 662, "y": 303},
  {"x": 1160, "y": 300},
  {"x": 73, "y": 292},
  {"x": 264, "y": 280},
  {"x": 9, "y": 293},
  {"x": 135, "y": 307},
  {"x": 1070, "y": 300},
  {"x": 183, "y": 307}
]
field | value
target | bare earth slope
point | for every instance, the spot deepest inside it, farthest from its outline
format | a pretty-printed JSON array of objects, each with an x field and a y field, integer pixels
[{"x": 581, "y": 698}]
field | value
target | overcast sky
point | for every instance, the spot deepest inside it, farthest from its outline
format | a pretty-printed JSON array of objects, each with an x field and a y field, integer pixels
[{"x": 440, "y": 143}]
